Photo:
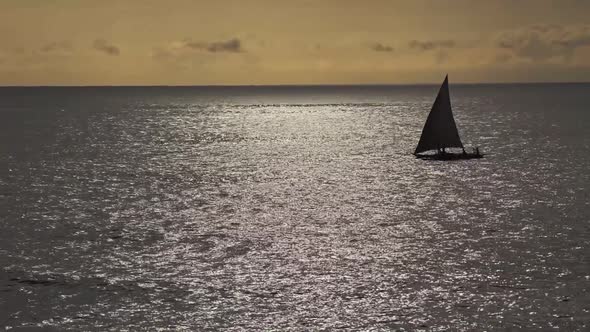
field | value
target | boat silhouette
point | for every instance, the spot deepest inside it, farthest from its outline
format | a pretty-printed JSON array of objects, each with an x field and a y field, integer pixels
[{"x": 440, "y": 131}]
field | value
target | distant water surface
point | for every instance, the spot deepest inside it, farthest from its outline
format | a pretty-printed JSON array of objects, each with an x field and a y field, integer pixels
[{"x": 292, "y": 208}]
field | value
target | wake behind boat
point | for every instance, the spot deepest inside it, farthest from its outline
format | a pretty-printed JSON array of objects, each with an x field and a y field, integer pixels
[{"x": 440, "y": 131}]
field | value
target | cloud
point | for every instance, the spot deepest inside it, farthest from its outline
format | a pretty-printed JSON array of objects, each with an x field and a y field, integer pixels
[
  {"x": 106, "y": 47},
  {"x": 233, "y": 45},
  {"x": 429, "y": 45},
  {"x": 190, "y": 51},
  {"x": 188, "y": 55},
  {"x": 57, "y": 47},
  {"x": 543, "y": 42},
  {"x": 378, "y": 47}
]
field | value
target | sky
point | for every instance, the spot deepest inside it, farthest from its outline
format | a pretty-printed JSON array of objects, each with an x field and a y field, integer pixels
[{"x": 266, "y": 42}]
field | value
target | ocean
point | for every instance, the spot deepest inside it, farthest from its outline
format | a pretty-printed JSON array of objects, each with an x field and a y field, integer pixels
[{"x": 292, "y": 208}]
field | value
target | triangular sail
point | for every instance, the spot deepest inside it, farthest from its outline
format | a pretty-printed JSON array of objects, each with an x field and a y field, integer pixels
[{"x": 440, "y": 130}]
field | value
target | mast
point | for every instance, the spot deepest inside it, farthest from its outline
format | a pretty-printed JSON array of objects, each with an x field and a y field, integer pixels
[{"x": 440, "y": 129}]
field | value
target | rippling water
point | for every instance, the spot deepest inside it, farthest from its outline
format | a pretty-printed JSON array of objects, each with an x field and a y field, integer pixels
[{"x": 292, "y": 208}]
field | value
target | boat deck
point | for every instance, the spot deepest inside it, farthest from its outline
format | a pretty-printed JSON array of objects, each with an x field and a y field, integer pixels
[{"x": 449, "y": 156}]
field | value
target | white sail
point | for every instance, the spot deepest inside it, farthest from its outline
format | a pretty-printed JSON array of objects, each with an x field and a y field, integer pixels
[{"x": 440, "y": 130}]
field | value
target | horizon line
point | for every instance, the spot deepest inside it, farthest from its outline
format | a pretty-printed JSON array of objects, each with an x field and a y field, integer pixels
[{"x": 285, "y": 85}]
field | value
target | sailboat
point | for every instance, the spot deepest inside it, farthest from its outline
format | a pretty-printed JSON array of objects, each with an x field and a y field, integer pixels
[{"x": 440, "y": 131}]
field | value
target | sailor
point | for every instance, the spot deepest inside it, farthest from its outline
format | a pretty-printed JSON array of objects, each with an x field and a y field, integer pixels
[
  {"x": 464, "y": 153},
  {"x": 477, "y": 150}
]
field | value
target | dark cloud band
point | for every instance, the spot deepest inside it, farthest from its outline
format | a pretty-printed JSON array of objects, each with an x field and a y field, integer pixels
[{"x": 106, "y": 47}]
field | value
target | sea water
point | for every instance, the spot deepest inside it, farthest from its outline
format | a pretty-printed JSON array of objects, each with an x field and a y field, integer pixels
[{"x": 292, "y": 209}]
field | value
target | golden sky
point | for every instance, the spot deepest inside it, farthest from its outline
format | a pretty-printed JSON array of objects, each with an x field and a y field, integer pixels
[{"x": 184, "y": 42}]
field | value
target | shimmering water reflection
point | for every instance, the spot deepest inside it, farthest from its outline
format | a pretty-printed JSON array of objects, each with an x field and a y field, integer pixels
[{"x": 292, "y": 209}]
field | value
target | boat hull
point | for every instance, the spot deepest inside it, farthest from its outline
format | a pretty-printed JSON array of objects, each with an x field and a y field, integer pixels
[{"x": 449, "y": 156}]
